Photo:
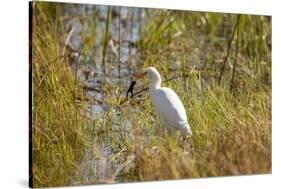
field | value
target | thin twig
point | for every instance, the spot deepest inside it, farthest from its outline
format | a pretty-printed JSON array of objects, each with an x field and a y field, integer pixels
[
  {"x": 228, "y": 49},
  {"x": 75, "y": 82},
  {"x": 105, "y": 41},
  {"x": 167, "y": 80},
  {"x": 176, "y": 77},
  {"x": 67, "y": 40},
  {"x": 235, "y": 60},
  {"x": 76, "y": 64},
  {"x": 130, "y": 36},
  {"x": 140, "y": 20},
  {"x": 119, "y": 49}
]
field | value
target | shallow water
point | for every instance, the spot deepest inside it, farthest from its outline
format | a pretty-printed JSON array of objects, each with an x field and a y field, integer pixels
[{"x": 98, "y": 165}]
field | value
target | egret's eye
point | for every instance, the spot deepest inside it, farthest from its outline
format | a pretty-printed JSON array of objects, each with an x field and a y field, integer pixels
[{"x": 145, "y": 72}]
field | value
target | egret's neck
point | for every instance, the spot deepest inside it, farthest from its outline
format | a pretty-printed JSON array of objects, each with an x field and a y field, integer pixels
[{"x": 154, "y": 84}]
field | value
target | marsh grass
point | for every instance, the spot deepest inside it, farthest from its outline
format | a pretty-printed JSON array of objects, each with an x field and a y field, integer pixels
[
  {"x": 229, "y": 138},
  {"x": 58, "y": 137},
  {"x": 231, "y": 128}
]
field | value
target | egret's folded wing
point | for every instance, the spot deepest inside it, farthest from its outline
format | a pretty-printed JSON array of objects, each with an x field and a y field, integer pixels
[{"x": 169, "y": 106}]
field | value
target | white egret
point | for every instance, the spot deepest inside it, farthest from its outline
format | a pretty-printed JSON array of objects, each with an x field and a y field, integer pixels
[{"x": 166, "y": 103}]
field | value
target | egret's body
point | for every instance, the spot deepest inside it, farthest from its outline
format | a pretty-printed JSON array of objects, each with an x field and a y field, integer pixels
[{"x": 167, "y": 104}]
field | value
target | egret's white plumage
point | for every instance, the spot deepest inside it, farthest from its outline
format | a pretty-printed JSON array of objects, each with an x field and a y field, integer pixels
[{"x": 166, "y": 103}]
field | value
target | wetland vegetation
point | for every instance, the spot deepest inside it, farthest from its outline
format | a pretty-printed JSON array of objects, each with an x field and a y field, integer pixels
[{"x": 85, "y": 130}]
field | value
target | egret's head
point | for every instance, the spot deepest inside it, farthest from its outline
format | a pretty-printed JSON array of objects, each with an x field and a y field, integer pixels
[{"x": 150, "y": 72}]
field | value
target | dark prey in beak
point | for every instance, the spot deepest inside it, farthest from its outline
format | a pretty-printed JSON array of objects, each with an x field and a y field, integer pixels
[{"x": 131, "y": 89}]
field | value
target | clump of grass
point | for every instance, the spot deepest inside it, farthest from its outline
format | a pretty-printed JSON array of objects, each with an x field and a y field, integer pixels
[{"x": 58, "y": 137}]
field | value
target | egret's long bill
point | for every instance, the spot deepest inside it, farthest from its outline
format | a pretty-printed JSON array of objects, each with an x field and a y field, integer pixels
[
  {"x": 138, "y": 75},
  {"x": 135, "y": 77}
]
